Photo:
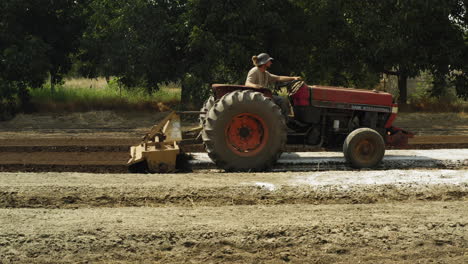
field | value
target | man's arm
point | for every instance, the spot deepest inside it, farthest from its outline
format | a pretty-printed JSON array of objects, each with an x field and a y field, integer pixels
[
  {"x": 288, "y": 78},
  {"x": 276, "y": 78}
]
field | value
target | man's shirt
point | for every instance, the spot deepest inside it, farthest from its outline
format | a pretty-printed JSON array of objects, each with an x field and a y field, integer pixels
[{"x": 264, "y": 79}]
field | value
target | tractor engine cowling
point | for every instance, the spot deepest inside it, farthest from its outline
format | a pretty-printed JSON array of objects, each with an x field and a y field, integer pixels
[{"x": 348, "y": 109}]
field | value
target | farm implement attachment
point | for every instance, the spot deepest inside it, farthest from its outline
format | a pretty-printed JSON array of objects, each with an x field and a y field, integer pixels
[{"x": 159, "y": 150}]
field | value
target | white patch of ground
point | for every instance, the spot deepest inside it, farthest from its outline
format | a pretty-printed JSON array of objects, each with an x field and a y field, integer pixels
[
  {"x": 266, "y": 185},
  {"x": 435, "y": 154},
  {"x": 390, "y": 155},
  {"x": 347, "y": 178}
]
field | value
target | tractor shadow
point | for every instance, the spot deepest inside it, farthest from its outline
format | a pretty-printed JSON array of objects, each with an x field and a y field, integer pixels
[{"x": 321, "y": 161}]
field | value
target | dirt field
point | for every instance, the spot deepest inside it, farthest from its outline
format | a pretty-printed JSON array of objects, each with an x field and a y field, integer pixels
[
  {"x": 235, "y": 218},
  {"x": 99, "y": 141},
  {"x": 373, "y": 216}
]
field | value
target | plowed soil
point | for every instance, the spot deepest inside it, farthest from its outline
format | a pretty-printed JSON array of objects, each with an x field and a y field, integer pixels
[
  {"x": 386, "y": 216},
  {"x": 329, "y": 217},
  {"x": 99, "y": 141}
]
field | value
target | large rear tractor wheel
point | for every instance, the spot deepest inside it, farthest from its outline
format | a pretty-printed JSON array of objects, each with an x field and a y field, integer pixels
[
  {"x": 205, "y": 108},
  {"x": 364, "y": 148},
  {"x": 244, "y": 131}
]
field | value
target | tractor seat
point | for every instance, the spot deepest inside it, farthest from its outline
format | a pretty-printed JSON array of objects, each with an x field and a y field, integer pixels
[
  {"x": 217, "y": 86},
  {"x": 220, "y": 90}
]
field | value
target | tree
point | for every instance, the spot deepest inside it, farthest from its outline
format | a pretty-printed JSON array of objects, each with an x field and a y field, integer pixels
[
  {"x": 404, "y": 38},
  {"x": 36, "y": 39},
  {"x": 459, "y": 72},
  {"x": 333, "y": 51},
  {"x": 138, "y": 41},
  {"x": 224, "y": 35}
]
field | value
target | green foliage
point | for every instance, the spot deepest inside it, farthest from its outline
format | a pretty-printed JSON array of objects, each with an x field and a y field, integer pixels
[
  {"x": 333, "y": 49},
  {"x": 407, "y": 37},
  {"x": 36, "y": 39},
  {"x": 8, "y": 100},
  {"x": 145, "y": 43},
  {"x": 84, "y": 97},
  {"x": 138, "y": 41},
  {"x": 224, "y": 35},
  {"x": 460, "y": 82}
]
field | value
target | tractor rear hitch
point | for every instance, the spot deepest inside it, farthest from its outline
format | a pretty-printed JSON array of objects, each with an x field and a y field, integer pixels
[{"x": 397, "y": 137}]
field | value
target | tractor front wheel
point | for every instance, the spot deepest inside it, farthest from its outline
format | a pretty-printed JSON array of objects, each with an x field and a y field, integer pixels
[
  {"x": 364, "y": 148},
  {"x": 244, "y": 131}
]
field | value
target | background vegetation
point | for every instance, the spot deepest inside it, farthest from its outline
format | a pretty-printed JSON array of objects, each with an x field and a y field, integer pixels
[{"x": 145, "y": 44}]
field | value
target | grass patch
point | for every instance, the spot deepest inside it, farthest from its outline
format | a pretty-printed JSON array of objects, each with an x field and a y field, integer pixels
[
  {"x": 81, "y": 94},
  {"x": 96, "y": 94}
]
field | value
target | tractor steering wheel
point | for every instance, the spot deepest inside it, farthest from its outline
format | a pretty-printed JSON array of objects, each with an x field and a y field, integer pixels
[{"x": 291, "y": 86}]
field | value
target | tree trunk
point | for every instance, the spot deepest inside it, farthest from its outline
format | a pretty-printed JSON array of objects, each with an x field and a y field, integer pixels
[
  {"x": 438, "y": 85},
  {"x": 54, "y": 80},
  {"x": 52, "y": 83},
  {"x": 403, "y": 88},
  {"x": 184, "y": 96}
]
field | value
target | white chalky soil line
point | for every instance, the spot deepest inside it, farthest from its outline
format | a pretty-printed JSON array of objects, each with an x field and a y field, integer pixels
[
  {"x": 431, "y": 154},
  {"x": 390, "y": 155},
  {"x": 344, "y": 179},
  {"x": 347, "y": 178},
  {"x": 397, "y": 158}
]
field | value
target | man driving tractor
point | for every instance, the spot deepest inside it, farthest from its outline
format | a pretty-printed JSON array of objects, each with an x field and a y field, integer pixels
[{"x": 259, "y": 77}]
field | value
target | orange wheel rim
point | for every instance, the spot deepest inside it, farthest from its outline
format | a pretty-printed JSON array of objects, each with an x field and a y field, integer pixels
[
  {"x": 246, "y": 134},
  {"x": 365, "y": 150}
]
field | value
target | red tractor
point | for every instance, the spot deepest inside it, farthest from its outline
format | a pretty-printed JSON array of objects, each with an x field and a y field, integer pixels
[{"x": 244, "y": 130}]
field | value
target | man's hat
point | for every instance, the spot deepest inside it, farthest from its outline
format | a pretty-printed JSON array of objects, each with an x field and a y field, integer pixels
[{"x": 263, "y": 58}]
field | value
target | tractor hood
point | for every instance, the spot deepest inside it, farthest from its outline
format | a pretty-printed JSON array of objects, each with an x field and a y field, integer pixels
[{"x": 350, "y": 96}]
